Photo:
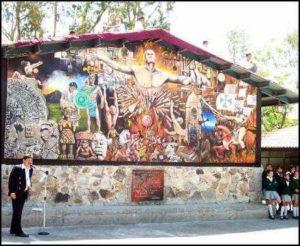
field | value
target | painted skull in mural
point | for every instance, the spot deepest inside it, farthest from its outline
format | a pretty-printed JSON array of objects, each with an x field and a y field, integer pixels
[
  {"x": 152, "y": 105},
  {"x": 99, "y": 145}
]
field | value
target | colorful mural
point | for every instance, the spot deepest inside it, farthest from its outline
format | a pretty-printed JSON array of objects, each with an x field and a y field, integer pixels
[{"x": 138, "y": 104}]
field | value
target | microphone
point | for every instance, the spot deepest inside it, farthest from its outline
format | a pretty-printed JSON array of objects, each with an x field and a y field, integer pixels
[{"x": 46, "y": 172}]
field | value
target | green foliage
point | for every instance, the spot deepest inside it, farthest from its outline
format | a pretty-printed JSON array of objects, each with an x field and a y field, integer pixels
[
  {"x": 278, "y": 61},
  {"x": 32, "y": 25},
  {"x": 237, "y": 44},
  {"x": 23, "y": 19},
  {"x": 291, "y": 50},
  {"x": 156, "y": 13},
  {"x": 88, "y": 14},
  {"x": 8, "y": 27},
  {"x": 275, "y": 117}
]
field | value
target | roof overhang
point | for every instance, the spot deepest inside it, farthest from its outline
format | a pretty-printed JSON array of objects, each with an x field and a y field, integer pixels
[{"x": 272, "y": 93}]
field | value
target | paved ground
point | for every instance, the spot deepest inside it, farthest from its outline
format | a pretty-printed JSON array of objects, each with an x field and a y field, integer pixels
[{"x": 253, "y": 231}]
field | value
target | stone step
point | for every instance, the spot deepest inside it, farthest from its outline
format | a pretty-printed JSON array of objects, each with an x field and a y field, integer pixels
[{"x": 67, "y": 215}]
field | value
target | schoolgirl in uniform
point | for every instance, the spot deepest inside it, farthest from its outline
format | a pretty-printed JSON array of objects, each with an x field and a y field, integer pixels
[
  {"x": 270, "y": 184},
  {"x": 286, "y": 196},
  {"x": 295, "y": 194}
]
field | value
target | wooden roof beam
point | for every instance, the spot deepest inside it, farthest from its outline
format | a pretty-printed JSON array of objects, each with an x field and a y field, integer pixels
[
  {"x": 284, "y": 99},
  {"x": 263, "y": 84},
  {"x": 225, "y": 67},
  {"x": 205, "y": 60},
  {"x": 244, "y": 75},
  {"x": 279, "y": 92},
  {"x": 269, "y": 101}
]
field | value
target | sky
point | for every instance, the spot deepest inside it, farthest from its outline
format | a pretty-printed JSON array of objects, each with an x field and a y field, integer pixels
[
  {"x": 262, "y": 21},
  {"x": 198, "y": 21}
]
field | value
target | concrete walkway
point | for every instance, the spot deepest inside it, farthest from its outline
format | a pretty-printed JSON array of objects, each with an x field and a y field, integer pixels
[{"x": 250, "y": 231}]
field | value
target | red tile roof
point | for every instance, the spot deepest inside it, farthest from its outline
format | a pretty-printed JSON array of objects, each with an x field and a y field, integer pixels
[{"x": 272, "y": 92}]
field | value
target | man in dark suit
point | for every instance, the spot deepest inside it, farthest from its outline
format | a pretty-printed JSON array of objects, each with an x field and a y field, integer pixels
[{"x": 19, "y": 186}]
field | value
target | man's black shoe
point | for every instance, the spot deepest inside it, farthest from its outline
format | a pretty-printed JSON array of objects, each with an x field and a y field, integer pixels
[
  {"x": 21, "y": 235},
  {"x": 271, "y": 217}
]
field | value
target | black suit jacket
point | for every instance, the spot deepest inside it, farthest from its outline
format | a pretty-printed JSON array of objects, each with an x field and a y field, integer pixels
[{"x": 17, "y": 180}]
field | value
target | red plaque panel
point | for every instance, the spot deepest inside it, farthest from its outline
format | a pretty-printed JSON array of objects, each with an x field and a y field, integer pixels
[{"x": 147, "y": 185}]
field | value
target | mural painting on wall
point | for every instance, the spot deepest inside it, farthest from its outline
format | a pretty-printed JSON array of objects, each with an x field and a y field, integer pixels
[{"x": 143, "y": 104}]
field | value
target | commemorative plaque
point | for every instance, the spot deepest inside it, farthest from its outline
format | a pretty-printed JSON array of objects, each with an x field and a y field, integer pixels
[{"x": 147, "y": 185}]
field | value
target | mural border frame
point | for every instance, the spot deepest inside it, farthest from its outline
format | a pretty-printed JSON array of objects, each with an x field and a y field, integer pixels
[{"x": 55, "y": 162}]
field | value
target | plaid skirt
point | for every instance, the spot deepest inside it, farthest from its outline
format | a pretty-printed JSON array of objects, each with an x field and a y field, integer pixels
[
  {"x": 286, "y": 198},
  {"x": 271, "y": 195},
  {"x": 295, "y": 197}
]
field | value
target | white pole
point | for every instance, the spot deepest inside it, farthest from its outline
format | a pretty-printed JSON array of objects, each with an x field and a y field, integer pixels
[{"x": 45, "y": 198}]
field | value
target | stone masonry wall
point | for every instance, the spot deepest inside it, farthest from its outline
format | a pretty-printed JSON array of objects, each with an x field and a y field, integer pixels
[{"x": 111, "y": 185}]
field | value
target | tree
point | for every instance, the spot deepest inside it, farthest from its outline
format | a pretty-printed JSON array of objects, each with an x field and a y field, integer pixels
[
  {"x": 276, "y": 117},
  {"x": 291, "y": 42},
  {"x": 237, "y": 44},
  {"x": 22, "y": 19},
  {"x": 87, "y": 15},
  {"x": 156, "y": 13},
  {"x": 32, "y": 24},
  {"x": 9, "y": 19},
  {"x": 55, "y": 17},
  {"x": 279, "y": 60}
]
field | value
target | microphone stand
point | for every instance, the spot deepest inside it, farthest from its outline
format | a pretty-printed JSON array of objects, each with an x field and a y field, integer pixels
[{"x": 45, "y": 199}]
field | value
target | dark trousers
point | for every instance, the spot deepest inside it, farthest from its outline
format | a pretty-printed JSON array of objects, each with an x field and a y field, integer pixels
[{"x": 17, "y": 206}]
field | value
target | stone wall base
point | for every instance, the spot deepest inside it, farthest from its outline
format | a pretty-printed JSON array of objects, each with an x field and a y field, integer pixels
[{"x": 69, "y": 215}]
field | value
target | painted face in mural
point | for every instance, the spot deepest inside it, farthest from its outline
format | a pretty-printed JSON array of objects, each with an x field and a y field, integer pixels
[
  {"x": 99, "y": 145},
  {"x": 150, "y": 56},
  {"x": 45, "y": 133},
  {"x": 142, "y": 100},
  {"x": 72, "y": 89},
  {"x": 84, "y": 143},
  {"x": 68, "y": 111}
]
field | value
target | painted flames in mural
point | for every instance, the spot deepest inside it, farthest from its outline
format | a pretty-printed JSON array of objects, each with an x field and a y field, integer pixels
[{"x": 115, "y": 104}]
